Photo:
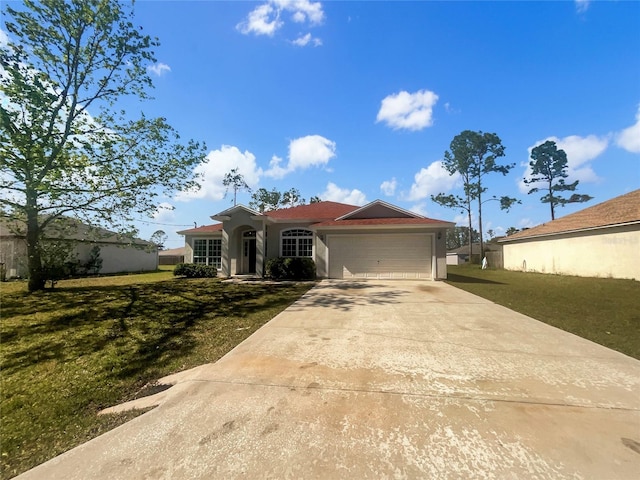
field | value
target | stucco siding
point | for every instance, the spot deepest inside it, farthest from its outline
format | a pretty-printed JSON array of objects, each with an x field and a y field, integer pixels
[
  {"x": 613, "y": 252},
  {"x": 117, "y": 259}
]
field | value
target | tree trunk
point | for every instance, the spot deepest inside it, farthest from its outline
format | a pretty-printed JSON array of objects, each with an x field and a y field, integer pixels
[
  {"x": 34, "y": 258},
  {"x": 470, "y": 234}
]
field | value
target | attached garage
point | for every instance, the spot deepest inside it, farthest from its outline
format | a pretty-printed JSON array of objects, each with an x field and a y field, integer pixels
[{"x": 387, "y": 255}]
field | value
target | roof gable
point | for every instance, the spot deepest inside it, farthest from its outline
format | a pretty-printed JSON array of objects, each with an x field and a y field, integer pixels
[
  {"x": 235, "y": 209},
  {"x": 617, "y": 211},
  {"x": 379, "y": 209}
]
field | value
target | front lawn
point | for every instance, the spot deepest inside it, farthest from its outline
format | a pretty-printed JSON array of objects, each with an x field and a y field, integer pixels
[
  {"x": 93, "y": 343},
  {"x": 603, "y": 310}
]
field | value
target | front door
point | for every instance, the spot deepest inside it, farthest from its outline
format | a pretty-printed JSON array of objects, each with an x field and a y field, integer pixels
[{"x": 249, "y": 255}]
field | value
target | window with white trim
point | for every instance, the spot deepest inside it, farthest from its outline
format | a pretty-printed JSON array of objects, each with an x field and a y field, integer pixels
[
  {"x": 208, "y": 251},
  {"x": 296, "y": 242}
]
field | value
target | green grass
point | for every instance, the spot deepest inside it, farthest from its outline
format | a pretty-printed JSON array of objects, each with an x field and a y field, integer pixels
[
  {"x": 603, "y": 310},
  {"x": 93, "y": 343}
]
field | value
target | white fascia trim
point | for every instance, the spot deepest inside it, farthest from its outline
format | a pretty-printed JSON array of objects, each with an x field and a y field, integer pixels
[{"x": 377, "y": 227}]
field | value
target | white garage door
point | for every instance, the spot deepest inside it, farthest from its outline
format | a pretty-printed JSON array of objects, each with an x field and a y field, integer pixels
[{"x": 380, "y": 256}]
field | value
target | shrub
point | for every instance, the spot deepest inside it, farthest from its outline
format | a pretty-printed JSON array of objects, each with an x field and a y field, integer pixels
[
  {"x": 291, "y": 268},
  {"x": 191, "y": 270}
]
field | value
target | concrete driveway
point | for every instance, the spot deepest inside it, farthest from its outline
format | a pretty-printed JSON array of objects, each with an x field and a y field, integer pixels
[{"x": 397, "y": 379}]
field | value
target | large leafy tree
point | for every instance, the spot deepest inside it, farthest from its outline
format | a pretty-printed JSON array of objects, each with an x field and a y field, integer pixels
[
  {"x": 65, "y": 147},
  {"x": 264, "y": 200},
  {"x": 549, "y": 166},
  {"x": 473, "y": 156},
  {"x": 459, "y": 236}
]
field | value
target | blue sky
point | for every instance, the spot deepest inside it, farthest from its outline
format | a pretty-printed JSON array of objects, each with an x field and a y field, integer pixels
[{"x": 355, "y": 101}]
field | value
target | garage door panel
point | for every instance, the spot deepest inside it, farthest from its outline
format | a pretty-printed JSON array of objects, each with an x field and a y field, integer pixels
[{"x": 380, "y": 256}]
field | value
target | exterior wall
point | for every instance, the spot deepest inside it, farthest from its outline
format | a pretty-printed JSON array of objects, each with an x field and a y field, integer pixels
[
  {"x": 454, "y": 259},
  {"x": 441, "y": 255},
  {"x": 319, "y": 246},
  {"x": 117, "y": 258},
  {"x": 611, "y": 252},
  {"x": 13, "y": 253}
]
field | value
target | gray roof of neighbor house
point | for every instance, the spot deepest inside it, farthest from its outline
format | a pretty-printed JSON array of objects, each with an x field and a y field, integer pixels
[
  {"x": 68, "y": 228},
  {"x": 172, "y": 252},
  {"x": 621, "y": 210}
]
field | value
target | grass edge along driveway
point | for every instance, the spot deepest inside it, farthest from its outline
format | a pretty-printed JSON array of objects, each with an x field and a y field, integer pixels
[
  {"x": 92, "y": 343},
  {"x": 603, "y": 310}
]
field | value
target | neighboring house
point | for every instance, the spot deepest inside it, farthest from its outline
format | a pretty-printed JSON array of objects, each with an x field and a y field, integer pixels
[
  {"x": 492, "y": 251},
  {"x": 172, "y": 256},
  {"x": 118, "y": 254},
  {"x": 599, "y": 241},
  {"x": 378, "y": 240}
]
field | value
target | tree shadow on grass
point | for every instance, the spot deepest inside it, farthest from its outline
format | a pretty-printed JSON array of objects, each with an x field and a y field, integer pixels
[
  {"x": 456, "y": 278},
  {"x": 137, "y": 326}
]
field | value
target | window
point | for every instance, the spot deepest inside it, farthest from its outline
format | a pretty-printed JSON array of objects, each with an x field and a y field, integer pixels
[
  {"x": 208, "y": 252},
  {"x": 297, "y": 242}
]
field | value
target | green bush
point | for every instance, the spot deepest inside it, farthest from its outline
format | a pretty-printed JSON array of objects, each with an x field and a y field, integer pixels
[
  {"x": 291, "y": 268},
  {"x": 191, "y": 270}
]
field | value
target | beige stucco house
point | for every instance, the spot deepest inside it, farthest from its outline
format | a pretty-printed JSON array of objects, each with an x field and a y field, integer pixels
[
  {"x": 118, "y": 254},
  {"x": 599, "y": 241},
  {"x": 378, "y": 240}
]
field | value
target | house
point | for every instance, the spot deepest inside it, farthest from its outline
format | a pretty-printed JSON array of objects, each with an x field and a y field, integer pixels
[
  {"x": 118, "y": 254},
  {"x": 460, "y": 255},
  {"x": 378, "y": 240},
  {"x": 599, "y": 241},
  {"x": 172, "y": 256}
]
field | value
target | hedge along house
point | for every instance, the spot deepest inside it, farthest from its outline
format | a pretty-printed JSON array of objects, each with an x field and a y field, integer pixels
[
  {"x": 118, "y": 253},
  {"x": 599, "y": 241},
  {"x": 378, "y": 240}
]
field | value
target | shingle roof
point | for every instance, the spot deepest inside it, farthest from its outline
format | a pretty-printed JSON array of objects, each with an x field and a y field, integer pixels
[
  {"x": 619, "y": 210},
  {"x": 324, "y": 214},
  {"x": 172, "y": 252},
  {"x": 216, "y": 227},
  {"x": 68, "y": 228},
  {"x": 313, "y": 211}
]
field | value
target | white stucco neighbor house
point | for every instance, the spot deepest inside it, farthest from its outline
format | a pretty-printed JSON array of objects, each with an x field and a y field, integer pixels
[
  {"x": 378, "y": 240},
  {"x": 599, "y": 241},
  {"x": 118, "y": 254}
]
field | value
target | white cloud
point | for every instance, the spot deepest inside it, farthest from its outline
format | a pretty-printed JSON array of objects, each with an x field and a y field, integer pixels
[
  {"x": 525, "y": 223},
  {"x": 305, "y": 40},
  {"x": 159, "y": 68},
  {"x": 629, "y": 138},
  {"x": 388, "y": 187},
  {"x": 334, "y": 193},
  {"x": 263, "y": 20},
  {"x": 217, "y": 164},
  {"x": 266, "y": 19},
  {"x": 164, "y": 213},
  {"x": 431, "y": 181},
  {"x": 411, "y": 111},
  {"x": 580, "y": 151},
  {"x": 582, "y": 5},
  {"x": 304, "y": 152}
]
